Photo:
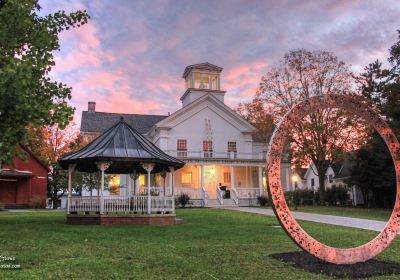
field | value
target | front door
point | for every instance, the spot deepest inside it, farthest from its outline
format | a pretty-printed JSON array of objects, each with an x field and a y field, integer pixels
[
  {"x": 210, "y": 181},
  {"x": 8, "y": 191}
]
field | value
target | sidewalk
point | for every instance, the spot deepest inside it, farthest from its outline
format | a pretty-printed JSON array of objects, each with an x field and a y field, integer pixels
[{"x": 324, "y": 219}]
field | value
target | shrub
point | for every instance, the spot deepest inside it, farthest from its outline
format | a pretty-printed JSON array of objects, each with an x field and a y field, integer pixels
[
  {"x": 183, "y": 199},
  {"x": 336, "y": 195},
  {"x": 2, "y": 207},
  {"x": 37, "y": 202},
  {"x": 262, "y": 200},
  {"x": 301, "y": 197},
  {"x": 289, "y": 197}
]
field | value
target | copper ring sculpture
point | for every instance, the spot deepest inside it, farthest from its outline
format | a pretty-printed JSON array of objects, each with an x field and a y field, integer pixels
[{"x": 357, "y": 106}]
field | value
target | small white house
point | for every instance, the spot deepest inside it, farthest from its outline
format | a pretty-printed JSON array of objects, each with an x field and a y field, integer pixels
[{"x": 307, "y": 178}]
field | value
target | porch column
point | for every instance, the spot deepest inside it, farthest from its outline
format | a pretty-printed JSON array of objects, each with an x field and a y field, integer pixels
[
  {"x": 232, "y": 176},
  {"x": 102, "y": 166},
  {"x": 71, "y": 168},
  {"x": 260, "y": 180},
  {"x": 148, "y": 167},
  {"x": 246, "y": 177},
  {"x": 201, "y": 179}
]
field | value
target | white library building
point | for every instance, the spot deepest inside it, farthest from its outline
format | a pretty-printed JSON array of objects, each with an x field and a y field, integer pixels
[{"x": 224, "y": 160}]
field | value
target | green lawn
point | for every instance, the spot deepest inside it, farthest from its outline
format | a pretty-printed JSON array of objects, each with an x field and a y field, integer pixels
[
  {"x": 211, "y": 244},
  {"x": 372, "y": 214}
]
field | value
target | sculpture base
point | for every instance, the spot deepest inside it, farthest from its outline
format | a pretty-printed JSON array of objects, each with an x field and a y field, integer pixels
[
  {"x": 153, "y": 219},
  {"x": 309, "y": 263}
]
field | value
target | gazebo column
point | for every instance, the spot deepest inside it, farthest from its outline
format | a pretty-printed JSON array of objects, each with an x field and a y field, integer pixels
[
  {"x": 71, "y": 168},
  {"x": 172, "y": 174},
  {"x": 102, "y": 166},
  {"x": 163, "y": 175},
  {"x": 133, "y": 177},
  {"x": 171, "y": 181},
  {"x": 148, "y": 167}
]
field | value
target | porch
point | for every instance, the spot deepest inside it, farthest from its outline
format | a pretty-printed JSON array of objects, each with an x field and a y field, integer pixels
[{"x": 215, "y": 184}]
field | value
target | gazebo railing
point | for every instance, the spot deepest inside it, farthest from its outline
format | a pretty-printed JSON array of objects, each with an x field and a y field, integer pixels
[
  {"x": 123, "y": 205},
  {"x": 85, "y": 204}
]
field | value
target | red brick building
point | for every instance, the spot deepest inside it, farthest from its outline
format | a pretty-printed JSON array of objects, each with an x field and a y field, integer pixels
[{"x": 24, "y": 183}]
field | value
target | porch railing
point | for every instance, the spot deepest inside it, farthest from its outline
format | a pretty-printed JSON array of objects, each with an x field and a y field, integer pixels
[
  {"x": 85, "y": 204},
  {"x": 248, "y": 192},
  {"x": 215, "y": 154},
  {"x": 194, "y": 193},
  {"x": 220, "y": 196},
  {"x": 234, "y": 195},
  {"x": 126, "y": 205},
  {"x": 204, "y": 197}
]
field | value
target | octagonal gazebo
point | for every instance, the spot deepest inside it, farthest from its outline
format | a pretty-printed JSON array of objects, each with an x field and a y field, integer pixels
[{"x": 121, "y": 150}]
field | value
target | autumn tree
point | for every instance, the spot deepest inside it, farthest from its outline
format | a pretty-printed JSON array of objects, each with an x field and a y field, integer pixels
[
  {"x": 28, "y": 97},
  {"x": 49, "y": 143},
  {"x": 255, "y": 113},
  {"x": 323, "y": 135}
]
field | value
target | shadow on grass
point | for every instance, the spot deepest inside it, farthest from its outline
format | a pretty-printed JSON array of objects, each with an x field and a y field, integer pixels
[{"x": 311, "y": 264}]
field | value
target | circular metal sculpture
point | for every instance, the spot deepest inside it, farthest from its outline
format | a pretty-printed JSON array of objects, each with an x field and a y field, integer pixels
[{"x": 355, "y": 105}]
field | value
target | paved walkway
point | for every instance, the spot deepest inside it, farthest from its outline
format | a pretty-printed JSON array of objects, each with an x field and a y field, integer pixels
[{"x": 324, "y": 219}]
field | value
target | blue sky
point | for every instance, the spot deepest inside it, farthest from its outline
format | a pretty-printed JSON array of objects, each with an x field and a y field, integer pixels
[{"x": 131, "y": 55}]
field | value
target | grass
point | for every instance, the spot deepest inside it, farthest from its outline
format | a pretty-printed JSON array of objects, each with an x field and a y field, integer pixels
[
  {"x": 211, "y": 244},
  {"x": 364, "y": 213}
]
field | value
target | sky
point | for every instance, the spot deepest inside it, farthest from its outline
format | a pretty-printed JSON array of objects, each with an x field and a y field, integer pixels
[{"x": 131, "y": 55}]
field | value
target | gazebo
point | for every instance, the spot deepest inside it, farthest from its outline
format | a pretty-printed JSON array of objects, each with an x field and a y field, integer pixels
[{"x": 121, "y": 150}]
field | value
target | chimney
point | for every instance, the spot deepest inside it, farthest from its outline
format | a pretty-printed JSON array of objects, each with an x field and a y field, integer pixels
[{"x": 91, "y": 107}]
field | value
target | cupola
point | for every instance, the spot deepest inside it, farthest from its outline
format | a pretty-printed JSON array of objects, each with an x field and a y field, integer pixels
[{"x": 201, "y": 79}]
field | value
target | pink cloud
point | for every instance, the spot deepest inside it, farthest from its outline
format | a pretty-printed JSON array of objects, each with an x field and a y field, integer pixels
[{"x": 85, "y": 49}]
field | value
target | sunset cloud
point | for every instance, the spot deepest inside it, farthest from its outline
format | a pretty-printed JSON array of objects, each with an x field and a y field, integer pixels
[{"x": 130, "y": 57}]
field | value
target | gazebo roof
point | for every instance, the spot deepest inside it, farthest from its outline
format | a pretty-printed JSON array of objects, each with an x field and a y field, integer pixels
[{"x": 125, "y": 148}]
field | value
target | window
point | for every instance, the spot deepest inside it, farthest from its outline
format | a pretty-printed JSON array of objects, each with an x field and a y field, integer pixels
[
  {"x": 186, "y": 178},
  {"x": 205, "y": 81},
  {"x": 181, "y": 147},
  {"x": 330, "y": 178},
  {"x": 231, "y": 149},
  {"x": 208, "y": 148},
  {"x": 312, "y": 182},
  {"x": 197, "y": 80},
  {"x": 214, "y": 82},
  {"x": 227, "y": 177},
  {"x": 232, "y": 146},
  {"x": 115, "y": 185}
]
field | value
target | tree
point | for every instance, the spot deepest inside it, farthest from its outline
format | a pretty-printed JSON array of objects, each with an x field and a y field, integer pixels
[
  {"x": 255, "y": 113},
  {"x": 324, "y": 135},
  {"x": 27, "y": 95},
  {"x": 373, "y": 171},
  {"x": 49, "y": 143}
]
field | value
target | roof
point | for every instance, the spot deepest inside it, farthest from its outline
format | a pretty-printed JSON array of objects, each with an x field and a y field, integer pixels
[
  {"x": 8, "y": 173},
  {"x": 26, "y": 149},
  {"x": 301, "y": 172},
  {"x": 101, "y": 121},
  {"x": 232, "y": 117},
  {"x": 201, "y": 66},
  {"x": 345, "y": 170},
  {"x": 125, "y": 148}
]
